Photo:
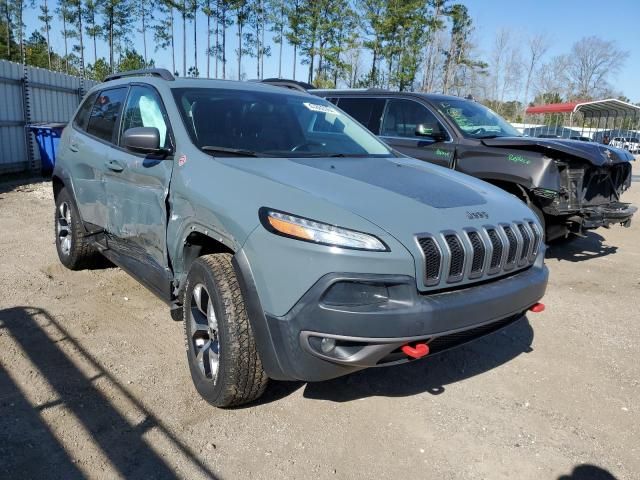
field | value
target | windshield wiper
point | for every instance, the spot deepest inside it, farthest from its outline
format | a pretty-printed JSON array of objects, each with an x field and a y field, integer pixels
[
  {"x": 232, "y": 151},
  {"x": 336, "y": 155},
  {"x": 485, "y": 137}
]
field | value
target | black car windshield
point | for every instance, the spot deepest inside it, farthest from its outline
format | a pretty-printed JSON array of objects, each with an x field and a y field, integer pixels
[
  {"x": 476, "y": 120},
  {"x": 233, "y": 122}
]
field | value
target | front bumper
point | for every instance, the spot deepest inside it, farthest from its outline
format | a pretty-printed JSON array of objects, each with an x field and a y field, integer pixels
[
  {"x": 606, "y": 215},
  {"x": 372, "y": 335}
]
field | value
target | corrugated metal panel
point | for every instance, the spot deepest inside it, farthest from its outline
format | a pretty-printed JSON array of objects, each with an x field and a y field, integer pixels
[
  {"x": 13, "y": 152},
  {"x": 53, "y": 97}
]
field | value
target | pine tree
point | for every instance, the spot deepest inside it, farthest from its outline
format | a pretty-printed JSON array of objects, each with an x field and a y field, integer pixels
[
  {"x": 163, "y": 33},
  {"x": 183, "y": 8},
  {"x": 66, "y": 14},
  {"x": 77, "y": 15},
  {"x": 8, "y": 26},
  {"x": 146, "y": 17},
  {"x": 241, "y": 9},
  {"x": 118, "y": 19},
  {"x": 46, "y": 18},
  {"x": 209, "y": 13},
  {"x": 277, "y": 18},
  {"x": 91, "y": 28},
  {"x": 195, "y": 6},
  {"x": 295, "y": 27},
  {"x": 224, "y": 21},
  {"x": 460, "y": 30}
]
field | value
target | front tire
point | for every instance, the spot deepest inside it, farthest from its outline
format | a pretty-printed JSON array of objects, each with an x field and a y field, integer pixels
[
  {"x": 221, "y": 349},
  {"x": 74, "y": 251}
]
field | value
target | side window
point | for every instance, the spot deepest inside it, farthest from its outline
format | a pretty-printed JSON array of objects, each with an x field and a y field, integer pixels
[
  {"x": 81, "y": 118},
  {"x": 144, "y": 109},
  {"x": 403, "y": 117},
  {"x": 105, "y": 114},
  {"x": 367, "y": 111}
]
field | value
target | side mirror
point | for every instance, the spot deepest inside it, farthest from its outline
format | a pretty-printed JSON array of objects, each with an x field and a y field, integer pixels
[
  {"x": 142, "y": 140},
  {"x": 424, "y": 131}
]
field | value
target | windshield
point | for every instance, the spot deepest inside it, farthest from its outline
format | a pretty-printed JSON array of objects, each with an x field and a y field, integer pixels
[
  {"x": 476, "y": 120},
  {"x": 229, "y": 122}
]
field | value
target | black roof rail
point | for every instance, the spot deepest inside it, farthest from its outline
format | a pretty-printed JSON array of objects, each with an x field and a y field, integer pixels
[
  {"x": 291, "y": 84},
  {"x": 163, "y": 73}
]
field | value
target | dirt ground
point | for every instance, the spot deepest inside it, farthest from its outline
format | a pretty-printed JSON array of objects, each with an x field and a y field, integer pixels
[{"x": 94, "y": 382}]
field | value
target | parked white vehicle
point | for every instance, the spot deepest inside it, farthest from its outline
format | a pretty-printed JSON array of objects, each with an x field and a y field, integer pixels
[{"x": 632, "y": 144}]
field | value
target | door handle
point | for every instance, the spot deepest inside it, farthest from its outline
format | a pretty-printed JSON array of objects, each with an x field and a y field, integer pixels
[
  {"x": 114, "y": 165},
  {"x": 73, "y": 147}
]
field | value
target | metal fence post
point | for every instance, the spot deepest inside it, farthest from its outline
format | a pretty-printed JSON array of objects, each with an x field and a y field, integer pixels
[{"x": 26, "y": 115}]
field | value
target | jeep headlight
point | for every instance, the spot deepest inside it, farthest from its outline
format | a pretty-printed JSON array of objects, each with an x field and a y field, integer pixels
[{"x": 308, "y": 230}]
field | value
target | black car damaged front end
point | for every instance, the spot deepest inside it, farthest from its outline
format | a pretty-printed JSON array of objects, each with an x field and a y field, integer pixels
[
  {"x": 581, "y": 185},
  {"x": 589, "y": 195}
]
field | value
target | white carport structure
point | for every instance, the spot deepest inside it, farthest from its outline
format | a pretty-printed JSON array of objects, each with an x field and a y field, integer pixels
[{"x": 597, "y": 115}]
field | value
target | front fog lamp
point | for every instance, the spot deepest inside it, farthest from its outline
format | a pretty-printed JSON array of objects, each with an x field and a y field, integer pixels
[
  {"x": 327, "y": 344},
  {"x": 353, "y": 294},
  {"x": 322, "y": 233}
]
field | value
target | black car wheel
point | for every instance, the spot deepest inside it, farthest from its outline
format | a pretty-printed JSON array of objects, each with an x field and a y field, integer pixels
[
  {"x": 221, "y": 349},
  {"x": 74, "y": 250}
]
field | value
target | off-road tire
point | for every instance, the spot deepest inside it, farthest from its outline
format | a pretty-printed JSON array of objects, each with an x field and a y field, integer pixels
[
  {"x": 240, "y": 377},
  {"x": 81, "y": 253}
]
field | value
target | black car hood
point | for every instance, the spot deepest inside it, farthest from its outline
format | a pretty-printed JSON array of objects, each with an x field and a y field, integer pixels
[{"x": 595, "y": 153}]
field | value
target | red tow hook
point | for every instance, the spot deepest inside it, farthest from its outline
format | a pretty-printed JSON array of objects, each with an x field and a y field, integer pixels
[
  {"x": 537, "y": 307},
  {"x": 419, "y": 351}
]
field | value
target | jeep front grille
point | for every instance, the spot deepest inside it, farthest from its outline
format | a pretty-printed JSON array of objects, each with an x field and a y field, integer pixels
[
  {"x": 496, "y": 245},
  {"x": 456, "y": 256},
  {"x": 513, "y": 246},
  {"x": 477, "y": 254},
  {"x": 432, "y": 260}
]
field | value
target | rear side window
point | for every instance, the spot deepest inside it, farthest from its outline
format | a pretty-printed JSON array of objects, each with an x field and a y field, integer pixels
[
  {"x": 105, "y": 114},
  {"x": 367, "y": 111},
  {"x": 80, "y": 121}
]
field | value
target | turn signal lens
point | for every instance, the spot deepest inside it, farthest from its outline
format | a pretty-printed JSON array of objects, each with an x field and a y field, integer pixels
[{"x": 317, "y": 232}]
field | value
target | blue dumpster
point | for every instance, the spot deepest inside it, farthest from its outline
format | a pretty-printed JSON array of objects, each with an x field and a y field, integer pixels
[{"x": 47, "y": 136}]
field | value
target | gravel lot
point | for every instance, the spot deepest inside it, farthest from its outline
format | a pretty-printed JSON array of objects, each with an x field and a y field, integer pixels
[{"x": 94, "y": 383}]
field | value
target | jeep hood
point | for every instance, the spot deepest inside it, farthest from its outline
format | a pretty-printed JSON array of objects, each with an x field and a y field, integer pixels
[
  {"x": 594, "y": 153},
  {"x": 402, "y": 196}
]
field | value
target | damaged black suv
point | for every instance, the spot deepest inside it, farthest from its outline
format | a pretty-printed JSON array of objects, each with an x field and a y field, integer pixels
[{"x": 572, "y": 186}]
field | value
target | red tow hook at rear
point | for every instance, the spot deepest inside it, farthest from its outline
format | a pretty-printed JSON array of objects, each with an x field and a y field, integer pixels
[
  {"x": 537, "y": 307},
  {"x": 419, "y": 351}
]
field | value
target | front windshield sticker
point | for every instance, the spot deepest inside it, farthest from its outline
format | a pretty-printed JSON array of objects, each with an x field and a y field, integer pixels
[
  {"x": 314, "y": 107},
  {"x": 518, "y": 159}
]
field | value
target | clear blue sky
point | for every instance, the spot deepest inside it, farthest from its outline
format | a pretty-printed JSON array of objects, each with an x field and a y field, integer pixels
[{"x": 565, "y": 21}]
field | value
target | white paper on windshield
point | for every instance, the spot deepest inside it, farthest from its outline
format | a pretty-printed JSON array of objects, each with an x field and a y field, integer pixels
[{"x": 314, "y": 107}]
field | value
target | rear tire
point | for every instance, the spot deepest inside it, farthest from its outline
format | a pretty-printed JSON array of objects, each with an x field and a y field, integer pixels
[
  {"x": 74, "y": 250},
  {"x": 221, "y": 349}
]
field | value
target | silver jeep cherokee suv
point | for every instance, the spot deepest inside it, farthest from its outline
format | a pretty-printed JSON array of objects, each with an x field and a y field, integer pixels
[{"x": 291, "y": 242}]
